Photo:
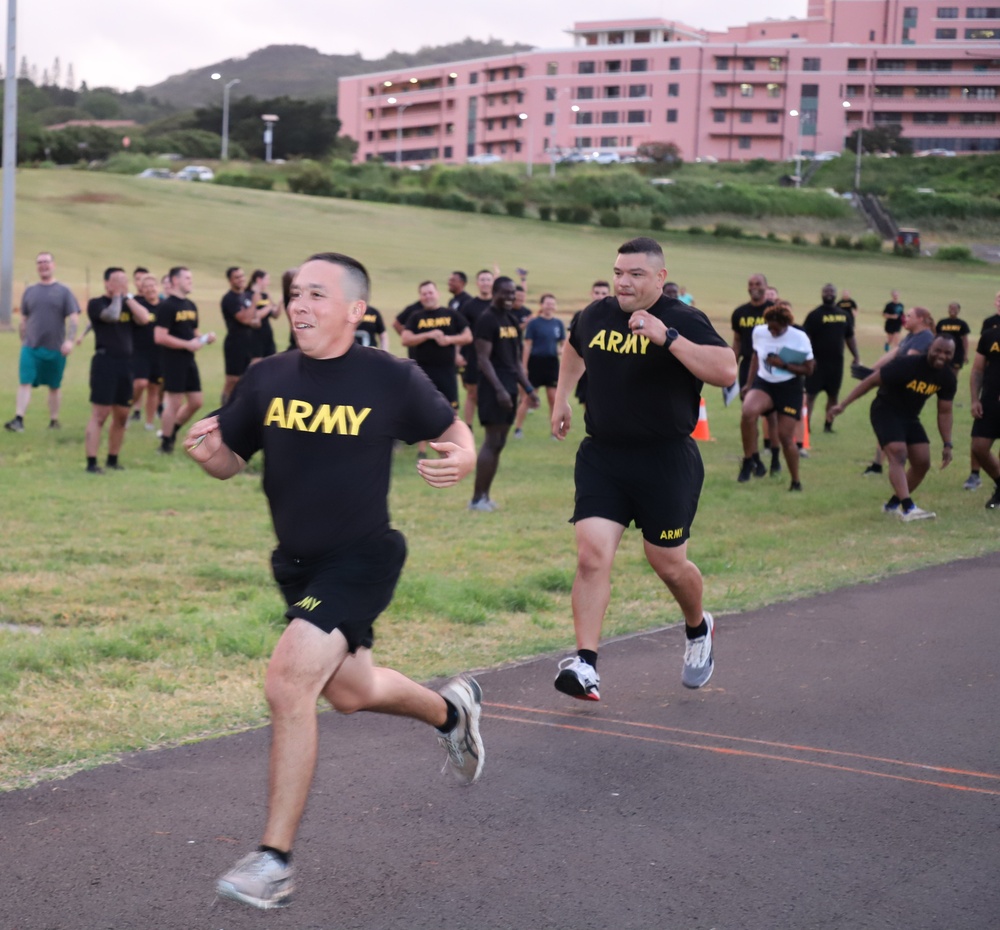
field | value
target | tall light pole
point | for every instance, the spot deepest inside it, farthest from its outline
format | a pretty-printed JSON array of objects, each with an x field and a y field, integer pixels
[
  {"x": 798, "y": 146},
  {"x": 523, "y": 117},
  {"x": 224, "y": 156},
  {"x": 9, "y": 169},
  {"x": 269, "y": 120},
  {"x": 400, "y": 110},
  {"x": 857, "y": 150}
]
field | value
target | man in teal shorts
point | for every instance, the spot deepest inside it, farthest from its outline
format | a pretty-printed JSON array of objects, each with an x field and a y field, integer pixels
[{"x": 49, "y": 315}]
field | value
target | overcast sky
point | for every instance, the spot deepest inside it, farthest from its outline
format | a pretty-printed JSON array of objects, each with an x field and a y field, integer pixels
[{"x": 127, "y": 43}]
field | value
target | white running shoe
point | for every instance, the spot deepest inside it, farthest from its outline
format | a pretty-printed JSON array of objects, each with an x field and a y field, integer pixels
[
  {"x": 699, "y": 657},
  {"x": 464, "y": 745},
  {"x": 259, "y": 879},
  {"x": 916, "y": 513},
  {"x": 579, "y": 679}
]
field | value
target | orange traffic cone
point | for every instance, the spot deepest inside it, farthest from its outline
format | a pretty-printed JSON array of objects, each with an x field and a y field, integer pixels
[
  {"x": 701, "y": 429},
  {"x": 805, "y": 424}
]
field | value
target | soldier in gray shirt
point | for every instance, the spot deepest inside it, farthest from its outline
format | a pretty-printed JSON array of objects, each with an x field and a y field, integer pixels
[{"x": 49, "y": 315}]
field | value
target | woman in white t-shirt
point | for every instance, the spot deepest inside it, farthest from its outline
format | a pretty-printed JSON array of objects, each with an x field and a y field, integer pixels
[{"x": 782, "y": 357}]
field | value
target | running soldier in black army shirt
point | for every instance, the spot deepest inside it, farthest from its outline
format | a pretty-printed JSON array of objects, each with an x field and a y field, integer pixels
[
  {"x": 326, "y": 417},
  {"x": 829, "y": 328}
]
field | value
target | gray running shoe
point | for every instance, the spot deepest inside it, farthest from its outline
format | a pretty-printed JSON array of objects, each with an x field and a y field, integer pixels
[
  {"x": 519, "y": 434},
  {"x": 916, "y": 513},
  {"x": 699, "y": 657},
  {"x": 15, "y": 425},
  {"x": 890, "y": 508},
  {"x": 464, "y": 745},
  {"x": 483, "y": 505},
  {"x": 259, "y": 879},
  {"x": 579, "y": 679},
  {"x": 972, "y": 483}
]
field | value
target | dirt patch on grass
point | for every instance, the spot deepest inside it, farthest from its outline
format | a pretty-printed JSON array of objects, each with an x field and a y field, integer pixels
[{"x": 94, "y": 197}]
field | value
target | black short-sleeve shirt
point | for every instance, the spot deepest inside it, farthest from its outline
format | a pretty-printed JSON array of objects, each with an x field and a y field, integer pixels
[
  {"x": 955, "y": 329},
  {"x": 745, "y": 318},
  {"x": 989, "y": 347},
  {"x": 828, "y": 326},
  {"x": 370, "y": 328},
  {"x": 234, "y": 302},
  {"x": 429, "y": 354},
  {"x": 909, "y": 381},
  {"x": 327, "y": 429},
  {"x": 472, "y": 310},
  {"x": 179, "y": 317},
  {"x": 114, "y": 339},
  {"x": 638, "y": 392},
  {"x": 503, "y": 331}
]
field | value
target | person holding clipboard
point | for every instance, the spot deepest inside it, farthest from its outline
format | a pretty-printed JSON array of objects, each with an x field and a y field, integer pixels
[{"x": 782, "y": 357}]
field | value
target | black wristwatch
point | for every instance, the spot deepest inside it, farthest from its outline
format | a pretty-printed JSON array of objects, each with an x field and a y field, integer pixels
[{"x": 672, "y": 334}]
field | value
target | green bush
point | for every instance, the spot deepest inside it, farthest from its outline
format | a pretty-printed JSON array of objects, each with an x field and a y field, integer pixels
[
  {"x": 545, "y": 212},
  {"x": 514, "y": 206},
  {"x": 453, "y": 200},
  {"x": 657, "y": 222},
  {"x": 489, "y": 207},
  {"x": 695, "y": 231},
  {"x": 825, "y": 241},
  {"x": 842, "y": 241},
  {"x": 610, "y": 219},
  {"x": 257, "y": 182},
  {"x": 954, "y": 253},
  {"x": 798, "y": 239},
  {"x": 868, "y": 242},
  {"x": 728, "y": 231},
  {"x": 309, "y": 177}
]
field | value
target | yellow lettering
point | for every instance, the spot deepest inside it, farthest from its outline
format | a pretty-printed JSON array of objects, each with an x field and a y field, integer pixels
[
  {"x": 614, "y": 341},
  {"x": 329, "y": 421},
  {"x": 598, "y": 341},
  {"x": 298, "y": 410},
  {"x": 275, "y": 415},
  {"x": 672, "y": 534},
  {"x": 357, "y": 418},
  {"x": 630, "y": 345},
  {"x": 309, "y": 603},
  {"x": 643, "y": 344}
]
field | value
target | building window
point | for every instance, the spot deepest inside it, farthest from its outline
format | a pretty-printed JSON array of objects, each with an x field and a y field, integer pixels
[
  {"x": 673, "y": 90},
  {"x": 746, "y": 116},
  {"x": 979, "y": 93},
  {"x": 857, "y": 64},
  {"x": 447, "y": 151},
  {"x": 585, "y": 67},
  {"x": 503, "y": 123},
  {"x": 718, "y": 116},
  {"x": 671, "y": 116},
  {"x": 945, "y": 33},
  {"x": 550, "y": 119},
  {"x": 370, "y": 136},
  {"x": 910, "y": 13},
  {"x": 935, "y": 119},
  {"x": 552, "y": 67},
  {"x": 774, "y": 116},
  {"x": 638, "y": 90},
  {"x": 637, "y": 116},
  {"x": 612, "y": 67},
  {"x": 890, "y": 64},
  {"x": 616, "y": 38},
  {"x": 979, "y": 119},
  {"x": 810, "y": 64},
  {"x": 639, "y": 64},
  {"x": 585, "y": 93},
  {"x": 947, "y": 12},
  {"x": 888, "y": 117},
  {"x": 474, "y": 77},
  {"x": 609, "y": 142},
  {"x": 675, "y": 64},
  {"x": 583, "y": 142},
  {"x": 749, "y": 64},
  {"x": 982, "y": 12},
  {"x": 810, "y": 90},
  {"x": 774, "y": 64},
  {"x": 773, "y": 90},
  {"x": 550, "y": 93},
  {"x": 721, "y": 90},
  {"x": 609, "y": 117},
  {"x": 882, "y": 92},
  {"x": 743, "y": 142},
  {"x": 642, "y": 36},
  {"x": 982, "y": 33},
  {"x": 746, "y": 90},
  {"x": 934, "y": 64},
  {"x": 489, "y": 125},
  {"x": 584, "y": 118},
  {"x": 855, "y": 90},
  {"x": 923, "y": 93},
  {"x": 721, "y": 63},
  {"x": 612, "y": 93}
]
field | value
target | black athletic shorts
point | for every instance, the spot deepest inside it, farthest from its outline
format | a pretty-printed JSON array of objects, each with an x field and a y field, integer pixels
[
  {"x": 146, "y": 365},
  {"x": 490, "y": 411},
  {"x": 543, "y": 370},
  {"x": 110, "y": 380},
  {"x": 343, "y": 592},
  {"x": 470, "y": 374},
  {"x": 236, "y": 352},
  {"x": 262, "y": 343},
  {"x": 828, "y": 376},
  {"x": 988, "y": 425},
  {"x": 890, "y": 426},
  {"x": 446, "y": 381},
  {"x": 894, "y": 325},
  {"x": 786, "y": 396},
  {"x": 656, "y": 486},
  {"x": 180, "y": 373}
]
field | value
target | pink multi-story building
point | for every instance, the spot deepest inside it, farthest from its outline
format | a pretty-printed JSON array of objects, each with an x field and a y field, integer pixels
[{"x": 766, "y": 89}]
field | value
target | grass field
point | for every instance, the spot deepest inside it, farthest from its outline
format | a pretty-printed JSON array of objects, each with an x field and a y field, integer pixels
[{"x": 136, "y": 608}]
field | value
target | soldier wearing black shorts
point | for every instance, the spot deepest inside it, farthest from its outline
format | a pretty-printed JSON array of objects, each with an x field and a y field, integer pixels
[
  {"x": 432, "y": 333},
  {"x": 498, "y": 351},
  {"x": 904, "y": 385},
  {"x": 647, "y": 358},
  {"x": 829, "y": 327},
  {"x": 745, "y": 318},
  {"x": 984, "y": 382},
  {"x": 111, "y": 317},
  {"x": 147, "y": 378},
  {"x": 326, "y": 417},
  {"x": 240, "y": 317},
  {"x": 472, "y": 310},
  {"x": 177, "y": 335}
]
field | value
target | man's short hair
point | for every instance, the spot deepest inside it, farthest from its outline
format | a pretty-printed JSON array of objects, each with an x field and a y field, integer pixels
[
  {"x": 176, "y": 271},
  {"x": 600, "y": 284},
  {"x": 356, "y": 273},
  {"x": 500, "y": 282},
  {"x": 461, "y": 275},
  {"x": 955, "y": 304},
  {"x": 108, "y": 272},
  {"x": 140, "y": 270},
  {"x": 484, "y": 271},
  {"x": 520, "y": 288},
  {"x": 52, "y": 258},
  {"x": 424, "y": 284},
  {"x": 545, "y": 297},
  {"x": 641, "y": 245},
  {"x": 230, "y": 271}
]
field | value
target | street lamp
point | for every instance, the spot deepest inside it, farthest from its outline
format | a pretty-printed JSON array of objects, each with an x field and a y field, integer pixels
[
  {"x": 224, "y": 155},
  {"x": 857, "y": 150},
  {"x": 269, "y": 120},
  {"x": 400, "y": 110},
  {"x": 798, "y": 147},
  {"x": 523, "y": 117}
]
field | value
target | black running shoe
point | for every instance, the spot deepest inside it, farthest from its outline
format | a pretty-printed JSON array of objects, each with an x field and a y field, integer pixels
[{"x": 746, "y": 471}]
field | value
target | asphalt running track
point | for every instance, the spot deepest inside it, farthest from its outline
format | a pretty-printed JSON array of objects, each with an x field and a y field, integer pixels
[{"x": 841, "y": 770}]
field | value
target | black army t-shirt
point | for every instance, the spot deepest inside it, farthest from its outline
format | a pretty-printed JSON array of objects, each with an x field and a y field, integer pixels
[
  {"x": 989, "y": 347},
  {"x": 745, "y": 318},
  {"x": 908, "y": 382},
  {"x": 637, "y": 391},
  {"x": 179, "y": 317},
  {"x": 114, "y": 339},
  {"x": 504, "y": 332},
  {"x": 429, "y": 354},
  {"x": 827, "y": 327},
  {"x": 327, "y": 428}
]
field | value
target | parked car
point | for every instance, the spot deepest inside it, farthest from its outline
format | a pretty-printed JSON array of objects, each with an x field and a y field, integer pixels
[
  {"x": 573, "y": 158},
  {"x": 195, "y": 173},
  {"x": 605, "y": 158},
  {"x": 707, "y": 160},
  {"x": 155, "y": 173},
  {"x": 487, "y": 158},
  {"x": 942, "y": 153},
  {"x": 826, "y": 156}
]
